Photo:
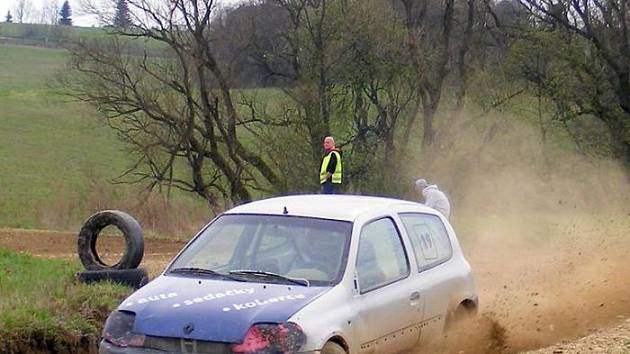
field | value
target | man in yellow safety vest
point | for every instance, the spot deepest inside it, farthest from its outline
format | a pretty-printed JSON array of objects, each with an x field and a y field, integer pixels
[{"x": 330, "y": 172}]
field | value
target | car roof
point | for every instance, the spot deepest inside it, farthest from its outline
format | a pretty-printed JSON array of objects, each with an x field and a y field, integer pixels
[{"x": 337, "y": 207}]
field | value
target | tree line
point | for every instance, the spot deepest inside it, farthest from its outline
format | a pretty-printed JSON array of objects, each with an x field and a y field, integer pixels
[
  {"x": 53, "y": 14},
  {"x": 50, "y": 13},
  {"x": 238, "y": 103}
]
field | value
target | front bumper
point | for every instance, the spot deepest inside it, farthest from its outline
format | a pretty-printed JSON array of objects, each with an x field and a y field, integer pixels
[
  {"x": 107, "y": 348},
  {"x": 162, "y": 345}
]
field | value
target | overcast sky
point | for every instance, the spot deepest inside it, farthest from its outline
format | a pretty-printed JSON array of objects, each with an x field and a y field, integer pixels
[{"x": 77, "y": 18}]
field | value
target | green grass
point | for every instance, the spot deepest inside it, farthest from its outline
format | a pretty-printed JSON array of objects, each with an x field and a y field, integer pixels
[
  {"x": 57, "y": 160},
  {"x": 48, "y": 143},
  {"x": 53, "y": 151},
  {"x": 28, "y": 68},
  {"x": 42, "y": 305},
  {"x": 58, "y": 36},
  {"x": 43, "y": 32}
]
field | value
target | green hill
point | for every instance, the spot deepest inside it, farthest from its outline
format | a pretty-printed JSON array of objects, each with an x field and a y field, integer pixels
[
  {"x": 44, "y": 35},
  {"x": 47, "y": 143},
  {"x": 57, "y": 161},
  {"x": 57, "y": 36}
]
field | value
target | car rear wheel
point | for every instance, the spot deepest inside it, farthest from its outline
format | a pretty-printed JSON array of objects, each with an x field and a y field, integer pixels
[
  {"x": 333, "y": 348},
  {"x": 462, "y": 314}
]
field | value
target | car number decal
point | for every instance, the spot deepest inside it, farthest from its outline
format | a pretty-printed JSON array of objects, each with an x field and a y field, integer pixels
[{"x": 427, "y": 245}]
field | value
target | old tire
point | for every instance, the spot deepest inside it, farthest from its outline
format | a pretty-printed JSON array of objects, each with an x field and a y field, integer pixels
[
  {"x": 333, "y": 348},
  {"x": 134, "y": 243},
  {"x": 135, "y": 278}
]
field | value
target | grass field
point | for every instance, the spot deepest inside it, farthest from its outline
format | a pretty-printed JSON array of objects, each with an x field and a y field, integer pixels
[
  {"x": 58, "y": 36},
  {"x": 47, "y": 142},
  {"x": 50, "y": 33},
  {"x": 57, "y": 161}
]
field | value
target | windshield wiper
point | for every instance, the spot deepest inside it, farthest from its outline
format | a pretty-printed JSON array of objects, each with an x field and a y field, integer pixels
[
  {"x": 300, "y": 281},
  {"x": 201, "y": 271}
]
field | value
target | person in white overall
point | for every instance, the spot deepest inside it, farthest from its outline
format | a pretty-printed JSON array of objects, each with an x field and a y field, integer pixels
[{"x": 433, "y": 197}]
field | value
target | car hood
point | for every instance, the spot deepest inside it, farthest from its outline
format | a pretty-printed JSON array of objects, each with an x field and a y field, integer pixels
[{"x": 213, "y": 310}]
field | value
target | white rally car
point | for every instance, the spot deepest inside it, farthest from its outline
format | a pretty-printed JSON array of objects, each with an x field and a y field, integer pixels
[{"x": 303, "y": 274}]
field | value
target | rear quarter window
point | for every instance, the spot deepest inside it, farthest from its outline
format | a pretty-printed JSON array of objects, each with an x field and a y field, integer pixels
[{"x": 429, "y": 239}]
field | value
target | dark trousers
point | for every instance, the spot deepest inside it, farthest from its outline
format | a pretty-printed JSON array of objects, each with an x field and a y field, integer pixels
[{"x": 329, "y": 188}]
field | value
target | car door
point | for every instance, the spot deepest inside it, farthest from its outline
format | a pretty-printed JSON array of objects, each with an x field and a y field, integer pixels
[
  {"x": 432, "y": 251},
  {"x": 388, "y": 308}
]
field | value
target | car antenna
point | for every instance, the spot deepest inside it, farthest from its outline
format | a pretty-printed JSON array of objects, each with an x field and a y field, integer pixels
[{"x": 285, "y": 211}]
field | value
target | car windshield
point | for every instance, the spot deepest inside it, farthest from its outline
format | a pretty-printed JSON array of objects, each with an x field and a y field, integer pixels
[{"x": 270, "y": 248}]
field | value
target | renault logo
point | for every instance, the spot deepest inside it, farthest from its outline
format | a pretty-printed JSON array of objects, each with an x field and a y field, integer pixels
[{"x": 189, "y": 328}]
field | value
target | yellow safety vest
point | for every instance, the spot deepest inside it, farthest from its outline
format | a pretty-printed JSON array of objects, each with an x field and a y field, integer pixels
[{"x": 336, "y": 176}]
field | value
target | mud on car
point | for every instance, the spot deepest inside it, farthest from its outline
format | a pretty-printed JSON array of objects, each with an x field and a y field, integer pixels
[{"x": 302, "y": 274}]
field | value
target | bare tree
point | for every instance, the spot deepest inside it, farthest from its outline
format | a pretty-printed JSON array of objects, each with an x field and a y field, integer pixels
[
  {"x": 311, "y": 31},
  {"x": 22, "y": 10},
  {"x": 461, "y": 64},
  {"x": 104, "y": 10},
  {"x": 42, "y": 14},
  {"x": 345, "y": 68},
  {"x": 302, "y": 51},
  {"x": 378, "y": 72},
  {"x": 50, "y": 12},
  {"x": 604, "y": 25},
  {"x": 177, "y": 112},
  {"x": 429, "y": 50},
  {"x": 101, "y": 9}
]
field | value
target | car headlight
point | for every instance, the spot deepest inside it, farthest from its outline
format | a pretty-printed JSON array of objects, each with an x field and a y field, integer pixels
[
  {"x": 271, "y": 338},
  {"x": 118, "y": 330}
]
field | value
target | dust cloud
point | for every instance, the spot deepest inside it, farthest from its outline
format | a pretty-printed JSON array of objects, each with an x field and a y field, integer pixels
[{"x": 546, "y": 230}]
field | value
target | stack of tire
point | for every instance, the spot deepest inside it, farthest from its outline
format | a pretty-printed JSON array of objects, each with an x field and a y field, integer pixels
[{"x": 126, "y": 270}]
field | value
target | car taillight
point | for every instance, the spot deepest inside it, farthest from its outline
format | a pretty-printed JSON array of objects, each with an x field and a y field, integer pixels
[
  {"x": 271, "y": 338},
  {"x": 118, "y": 330}
]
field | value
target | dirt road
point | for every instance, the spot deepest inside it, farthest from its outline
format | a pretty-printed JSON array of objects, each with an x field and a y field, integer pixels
[
  {"x": 539, "y": 285},
  {"x": 544, "y": 281},
  {"x": 63, "y": 245}
]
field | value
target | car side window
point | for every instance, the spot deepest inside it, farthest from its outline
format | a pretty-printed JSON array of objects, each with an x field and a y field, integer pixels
[
  {"x": 429, "y": 239},
  {"x": 381, "y": 258}
]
